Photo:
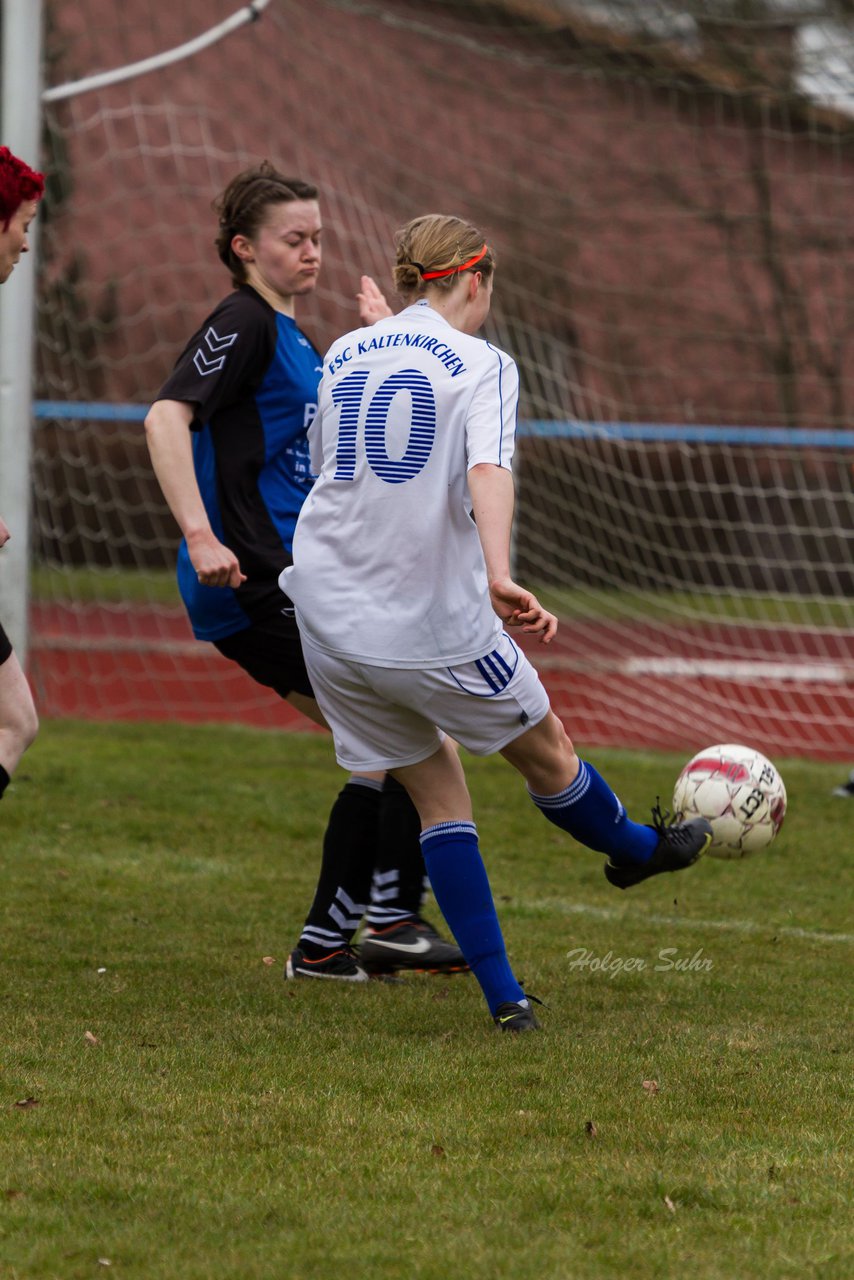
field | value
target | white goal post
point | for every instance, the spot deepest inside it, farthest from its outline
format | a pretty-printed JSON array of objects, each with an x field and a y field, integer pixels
[{"x": 20, "y": 120}]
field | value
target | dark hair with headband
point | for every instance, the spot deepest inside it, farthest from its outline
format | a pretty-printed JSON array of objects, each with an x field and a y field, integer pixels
[
  {"x": 435, "y": 250},
  {"x": 18, "y": 183},
  {"x": 243, "y": 205}
]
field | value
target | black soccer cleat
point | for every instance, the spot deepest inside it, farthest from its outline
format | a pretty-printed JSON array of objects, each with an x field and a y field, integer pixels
[
  {"x": 514, "y": 1017},
  {"x": 412, "y": 945},
  {"x": 680, "y": 844},
  {"x": 341, "y": 965}
]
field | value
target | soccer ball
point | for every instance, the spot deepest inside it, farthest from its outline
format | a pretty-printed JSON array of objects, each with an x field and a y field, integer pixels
[{"x": 739, "y": 791}]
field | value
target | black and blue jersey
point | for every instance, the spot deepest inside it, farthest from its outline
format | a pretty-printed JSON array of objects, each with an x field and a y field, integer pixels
[{"x": 251, "y": 376}]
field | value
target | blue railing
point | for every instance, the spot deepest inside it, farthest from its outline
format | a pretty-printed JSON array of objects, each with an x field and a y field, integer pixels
[{"x": 571, "y": 429}]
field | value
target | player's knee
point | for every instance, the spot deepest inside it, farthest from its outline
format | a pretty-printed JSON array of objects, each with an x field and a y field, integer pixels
[
  {"x": 30, "y": 726},
  {"x": 545, "y": 756},
  {"x": 560, "y": 753},
  {"x": 23, "y": 724},
  {"x": 564, "y": 742},
  {"x": 21, "y": 721}
]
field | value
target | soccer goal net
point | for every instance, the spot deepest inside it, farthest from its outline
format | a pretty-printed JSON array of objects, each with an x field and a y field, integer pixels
[{"x": 669, "y": 191}]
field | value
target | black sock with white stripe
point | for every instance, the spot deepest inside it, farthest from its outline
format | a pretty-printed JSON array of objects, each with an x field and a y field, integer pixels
[
  {"x": 349, "y": 849},
  {"x": 397, "y": 888}
]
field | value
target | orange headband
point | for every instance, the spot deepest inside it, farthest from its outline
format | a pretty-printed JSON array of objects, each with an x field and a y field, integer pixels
[{"x": 436, "y": 275}]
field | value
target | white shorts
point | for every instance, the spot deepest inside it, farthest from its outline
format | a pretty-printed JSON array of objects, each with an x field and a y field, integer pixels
[{"x": 386, "y": 718}]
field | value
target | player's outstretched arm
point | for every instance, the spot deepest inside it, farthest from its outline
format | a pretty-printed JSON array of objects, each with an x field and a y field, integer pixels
[
  {"x": 5, "y": 535},
  {"x": 492, "y": 494},
  {"x": 372, "y": 302},
  {"x": 167, "y": 431}
]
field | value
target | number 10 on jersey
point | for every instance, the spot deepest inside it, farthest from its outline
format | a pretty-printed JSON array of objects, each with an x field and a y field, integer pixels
[{"x": 349, "y": 393}]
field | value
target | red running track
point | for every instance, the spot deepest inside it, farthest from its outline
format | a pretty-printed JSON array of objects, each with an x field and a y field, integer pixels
[{"x": 664, "y": 687}]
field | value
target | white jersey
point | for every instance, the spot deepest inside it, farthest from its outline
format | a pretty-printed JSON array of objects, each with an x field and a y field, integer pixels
[{"x": 388, "y": 569}]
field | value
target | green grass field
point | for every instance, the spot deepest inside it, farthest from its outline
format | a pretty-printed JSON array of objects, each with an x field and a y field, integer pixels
[{"x": 172, "y": 1109}]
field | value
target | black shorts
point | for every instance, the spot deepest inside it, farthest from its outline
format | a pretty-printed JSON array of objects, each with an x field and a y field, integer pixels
[
  {"x": 271, "y": 653},
  {"x": 5, "y": 646}
]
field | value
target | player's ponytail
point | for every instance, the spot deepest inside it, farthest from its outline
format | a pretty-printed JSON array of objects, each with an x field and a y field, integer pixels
[
  {"x": 242, "y": 206},
  {"x": 433, "y": 251}
]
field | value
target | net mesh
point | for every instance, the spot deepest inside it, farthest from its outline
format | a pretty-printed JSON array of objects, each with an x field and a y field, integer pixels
[{"x": 669, "y": 192}]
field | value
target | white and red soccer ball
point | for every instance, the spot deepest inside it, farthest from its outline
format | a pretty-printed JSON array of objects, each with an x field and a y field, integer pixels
[{"x": 739, "y": 791}]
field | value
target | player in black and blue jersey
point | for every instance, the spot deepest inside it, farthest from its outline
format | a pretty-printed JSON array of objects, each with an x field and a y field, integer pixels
[{"x": 227, "y": 437}]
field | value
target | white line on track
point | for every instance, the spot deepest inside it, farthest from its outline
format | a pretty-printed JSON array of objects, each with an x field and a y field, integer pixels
[
  {"x": 683, "y": 922},
  {"x": 740, "y": 669}
]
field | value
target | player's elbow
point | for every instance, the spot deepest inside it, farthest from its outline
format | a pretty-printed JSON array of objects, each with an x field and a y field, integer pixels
[
  {"x": 165, "y": 416},
  {"x": 153, "y": 421}
]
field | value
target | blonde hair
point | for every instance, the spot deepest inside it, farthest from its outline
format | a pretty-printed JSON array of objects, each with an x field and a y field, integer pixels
[{"x": 438, "y": 242}]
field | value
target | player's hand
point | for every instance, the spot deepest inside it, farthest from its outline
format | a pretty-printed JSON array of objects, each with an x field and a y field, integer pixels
[
  {"x": 5, "y": 535},
  {"x": 214, "y": 564},
  {"x": 517, "y": 607},
  {"x": 372, "y": 303}
]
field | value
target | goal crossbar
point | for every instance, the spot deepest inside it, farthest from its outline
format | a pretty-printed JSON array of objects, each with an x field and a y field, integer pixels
[{"x": 249, "y": 13}]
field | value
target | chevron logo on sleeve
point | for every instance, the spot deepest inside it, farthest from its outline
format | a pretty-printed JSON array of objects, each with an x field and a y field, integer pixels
[{"x": 207, "y": 364}]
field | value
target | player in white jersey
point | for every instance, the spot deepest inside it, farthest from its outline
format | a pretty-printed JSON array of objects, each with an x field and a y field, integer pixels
[
  {"x": 401, "y": 582},
  {"x": 436, "y": 402}
]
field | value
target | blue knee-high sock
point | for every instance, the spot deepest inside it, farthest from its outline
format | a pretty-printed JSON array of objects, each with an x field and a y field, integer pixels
[
  {"x": 593, "y": 815},
  {"x": 461, "y": 888}
]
